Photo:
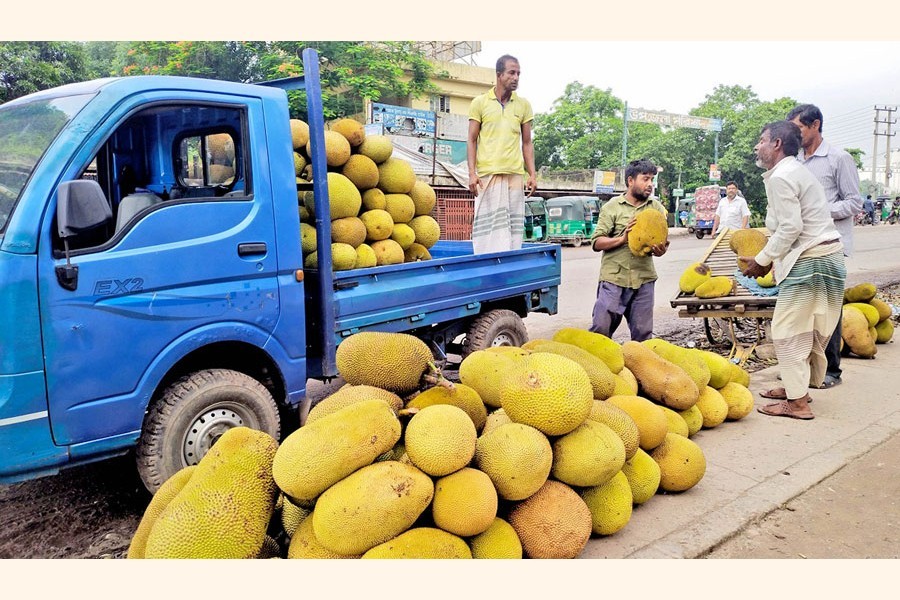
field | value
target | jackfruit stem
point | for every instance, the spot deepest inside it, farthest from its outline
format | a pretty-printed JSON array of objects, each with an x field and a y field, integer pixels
[{"x": 434, "y": 377}]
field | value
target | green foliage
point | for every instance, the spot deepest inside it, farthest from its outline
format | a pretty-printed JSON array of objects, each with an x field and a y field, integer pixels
[
  {"x": 857, "y": 154},
  {"x": 27, "y": 67}
]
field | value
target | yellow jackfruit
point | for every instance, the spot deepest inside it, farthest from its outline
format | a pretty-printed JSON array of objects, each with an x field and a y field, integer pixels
[
  {"x": 855, "y": 333},
  {"x": 676, "y": 423},
  {"x": 650, "y": 229},
  {"x": 712, "y": 406},
  {"x": 619, "y": 421},
  {"x": 681, "y": 463},
  {"x": 461, "y": 396},
  {"x": 348, "y": 230},
  {"x": 863, "y": 292},
  {"x": 690, "y": 362},
  {"x": 693, "y": 276},
  {"x": 379, "y": 224},
  {"x": 371, "y": 506},
  {"x": 499, "y": 540},
  {"x": 343, "y": 256},
  {"x": 884, "y": 309},
  {"x": 373, "y": 199},
  {"x": 400, "y": 207},
  {"x": 305, "y": 545},
  {"x": 362, "y": 171},
  {"x": 660, "y": 379},
  {"x": 552, "y": 523},
  {"x": 424, "y": 197},
  {"x": 715, "y": 287},
  {"x": 388, "y": 252},
  {"x": 597, "y": 344},
  {"x": 588, "y": 456},
  {"x": 299, "y": 133},
  {"x": 739, "y": 375},
  {"x": 484, "y": 371},
  {"x": 767, "y": 280},
  {"x": 870, "y": 312},
  {"x": 739, "y": 400},
  {"x": 465, "y": 502},
  {"x": 365, "y": 257},
  {"x": 719, "y": 367},
  {"x": 427, "y": 230},
  {"x": 440, "y": 439},
  {"x": 396, "y": 176},
  {"x": 292, "y": 515},
  {"x": 694, "y": 419},
  {"x": 392, "y": 361},
  {"x": 299, "y": 164},
  {"x": 166, "y": 492},
  {"x": 516, "y": 457},
  {"x": 415, "y": 253},
  {"x": 494, "y": 420},
  {"x": 321, "y": 453},
  {"x": 351, "y": 394},
  {"x": 307, "y": 238},
  {"x": 746, "y": 242},
  {"x": 377, "y": 147},
  {"x": 344, "y": 199},
  {"x": 602, "y": 381},
  {"x": 610, "y": 504},
  {"x": 884, "y": 331},
  {"x": 629, "y": 377},
  {"x": 337, "y": 149},
  {"x": 351, "y": 129},
  {"x": 649, "y": 417},
  {"x": 643, "y": 475},
  {"x": 422, "y": 543},
  {"x": 404, "y": 236}
]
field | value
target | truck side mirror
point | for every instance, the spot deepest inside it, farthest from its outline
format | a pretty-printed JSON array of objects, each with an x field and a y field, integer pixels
[{"x": 81, "y": 206}]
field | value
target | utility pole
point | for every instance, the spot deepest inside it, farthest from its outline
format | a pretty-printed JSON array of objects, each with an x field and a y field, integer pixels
[
  {"x": 875, "y": 149},
  {"x": 888, "y": 134}
]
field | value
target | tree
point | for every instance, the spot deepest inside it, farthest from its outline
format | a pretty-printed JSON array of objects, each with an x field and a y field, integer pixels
[
  {"x": 27, "y": 67},
  {"x": 857, "y": 155}
]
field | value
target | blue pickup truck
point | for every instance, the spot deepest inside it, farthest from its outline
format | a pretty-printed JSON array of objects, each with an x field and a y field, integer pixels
[{"x": 148, "y": 303}]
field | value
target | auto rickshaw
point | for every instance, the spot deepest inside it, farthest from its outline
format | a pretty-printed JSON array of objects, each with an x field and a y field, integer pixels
[
  {"x": 535, "y": 220},
  {"x": 571, "y": 219}
]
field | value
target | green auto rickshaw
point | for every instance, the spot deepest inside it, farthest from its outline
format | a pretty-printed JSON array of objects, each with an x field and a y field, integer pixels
[
  {"x": 535, "y": 219},
  {"x": 572, "y": 219}
]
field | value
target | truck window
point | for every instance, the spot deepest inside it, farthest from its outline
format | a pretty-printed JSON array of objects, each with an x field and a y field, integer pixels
[{"x": 207, "y": 160}]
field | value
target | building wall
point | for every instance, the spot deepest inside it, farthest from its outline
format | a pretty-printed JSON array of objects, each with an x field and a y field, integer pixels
[{"x": 463, "y": 83}]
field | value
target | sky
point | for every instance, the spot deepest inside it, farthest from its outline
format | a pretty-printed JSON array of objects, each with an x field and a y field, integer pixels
[{"x": 848, "y": 80}]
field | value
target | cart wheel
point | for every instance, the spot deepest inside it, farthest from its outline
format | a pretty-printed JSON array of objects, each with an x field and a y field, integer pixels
[
  {"x": 577, "y": 240},
  {"x": 716, "y": 331},
  {"x": 699, "y": 234}
]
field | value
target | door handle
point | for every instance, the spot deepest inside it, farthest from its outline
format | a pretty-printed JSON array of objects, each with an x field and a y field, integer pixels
[{"x": 251, "y": 249}]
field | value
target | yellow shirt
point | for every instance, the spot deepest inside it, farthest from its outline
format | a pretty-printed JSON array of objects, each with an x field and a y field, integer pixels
[
  {"x": 499, "y": 147},
  {"x": 619, "y": 265}
]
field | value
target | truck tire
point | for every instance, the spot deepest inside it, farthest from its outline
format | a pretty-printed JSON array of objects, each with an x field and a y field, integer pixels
[
  {"x": 498, "y": 327},
  {"x": 191, "y": 414}
]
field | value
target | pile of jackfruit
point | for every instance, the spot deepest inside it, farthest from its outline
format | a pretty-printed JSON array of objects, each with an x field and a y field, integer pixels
[
  {"x": 865, "y": 321},
  {"x": 533, "y": 452},
  {"x": 379, "y": 211}
]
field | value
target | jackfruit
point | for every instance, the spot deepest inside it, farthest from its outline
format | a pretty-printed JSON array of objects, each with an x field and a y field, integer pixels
[
  {"x": 610, "y": 504},
  {"x": 292, "y": 515},
  {"x": 424, "y": 197},
  {"x": 484, "y": 371},
  {"x": 746, "y": 242},
  {"x": 321, "y": 453},
  {"x": 499, "y": 540},
  {"x": 689, "y": 362},
  {"x": 351, "y": 394},
  {"x": 884, "y": 331},
  {"x": 660, "y": 379},
  {"x": 549, "y": 392},
  {"x": 365, "y": 257},
  {"x": 461, "y": 396},
  {"x": 629, "y": 377},
  {"x": 884, "y": 309},
  {"x": 465, "y": 502},
  {"x": 422, "y": 543},
  {"x": 343, "y": 197},
  {"x": 379, "y": 224},
  {"x": 371, "y": 506},
  {"x": 392, "y": 361},
  {"x": 362, "y": 171},
  {"x": 348, "y": 230},
  {"x": 681, "y": 463},
  {"x": 224, "y": 509},
  {"x": 712, "y": 406},
  {"x": 650, "y": 419},
  {"x": 676, "y": 423},
  {"x": 404, "y": 236},
  {"x": 552, "y": 523},
  {"x": 715, "y": 287},
  {"x": 377, "y": 147},
  {"x": 739, "y": 400},
  {"x": 643, "y": 475},
  {"x": 270, "y": 548},
  {"x": 373, "y": 199},
  {"x": 619, "y": 421},
  {"x": 693, "y": 276},
  {"x": 166, "y": 492},
  {"x": 870, "y": 312},
  {"x": 400, "y": 207},
  {"x": 601, "y": 378},
  {"x": 307, "y": 238},
  {"x": 597, "y": 344},
  {"x": 396, "y": 176},
  {"x": 343, "y": 257},
  {"x": 299, "y": 133},
  {"x": 387, "y": 252},
  {"x": 311, "y": 261},
  {"x": 428, "y": 232},
  {"x": 516, "y": 457},
  {"x": 304, "y": 543},
  {"x": 719, "y": 368},
  {"x": 863, "y": 292},
  {"x": 739, "y": 375},
  {"x": 351, "y": 129},
  {"x": 494, "y": 420},
  {"x": 694, "y": 419},
  {"x": 767, "y": 280},
  {"x": 587, "y": 456},
  {"x": 415, "y": 253},
  {"x": 623, "y": 387},
  {"x": 440, "y": 439},
  {"x": 650, "y": 229},
  {"x": 855, "y": 333},
  {"x": 337, "y": 149},
  {"x": 299, "y": 164}
]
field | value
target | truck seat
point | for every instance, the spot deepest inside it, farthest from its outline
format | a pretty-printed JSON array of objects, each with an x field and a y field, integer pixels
[{"x": 132, "y": 204}]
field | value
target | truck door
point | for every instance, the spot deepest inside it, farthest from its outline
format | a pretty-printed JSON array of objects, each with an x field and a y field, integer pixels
[{"x": 189, "y": 251}]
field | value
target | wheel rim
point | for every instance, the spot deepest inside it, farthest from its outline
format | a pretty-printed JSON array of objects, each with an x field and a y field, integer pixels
[
  {"x": 209, "y": 426},
  {"x": 503, "y": 339}
]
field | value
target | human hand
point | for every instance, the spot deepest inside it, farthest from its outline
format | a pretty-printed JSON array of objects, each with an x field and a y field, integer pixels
[
  {"x": 530, "y": 185},
  {"x": 754, "y": 269},
  {"x": 474, "y": 183},
  {"x": 659, "y": 249}
]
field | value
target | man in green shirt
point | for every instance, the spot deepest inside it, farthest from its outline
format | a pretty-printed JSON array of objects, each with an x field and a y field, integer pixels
[{"x": 626, "y": 281}]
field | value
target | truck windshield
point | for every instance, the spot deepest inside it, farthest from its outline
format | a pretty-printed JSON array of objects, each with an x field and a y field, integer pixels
[{"x": 26, "y": 131}]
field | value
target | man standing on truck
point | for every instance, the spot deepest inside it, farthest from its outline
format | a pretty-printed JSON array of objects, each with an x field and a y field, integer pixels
[
  {"x": 626, "y": 281},
  {"x": 836, "y": 171},
  {"x": 500, "y": 151},
  {"x": 732, "y": 211}
]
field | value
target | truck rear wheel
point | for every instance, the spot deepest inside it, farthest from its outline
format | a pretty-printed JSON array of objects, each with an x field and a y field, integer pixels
[
  {"x": 499, "y": 327},
  {"x": 191, "y": 414}
]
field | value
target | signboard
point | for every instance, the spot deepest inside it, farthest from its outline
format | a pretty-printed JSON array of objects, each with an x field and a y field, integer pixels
[
  {"x": 373, "y": 129},
  {"x": 453, "y": 127},
  {"x": 714, "y": 173},
  {"x": 678, "y": 192},
  {"x": 448, "y": 151},
  {"x": 400, "y": 120},
  {"x": 604, "y": 182},
  {"x": 672, "y": 120}
]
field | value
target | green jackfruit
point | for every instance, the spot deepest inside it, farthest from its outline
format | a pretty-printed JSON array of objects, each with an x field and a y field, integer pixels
[
  {"x": 427, "y": 230},
  {"x": 610, "y": 504},
  {"x": 344, "y": 199},
  {"x": 884, "y": 331},
  {"x": 871, "y": 313},
  {"x": 516, "y": 457},
  {"x": 377, "y": 147},
  {"x": 392, "y": 361},
  {"x": 860, "y": 293},
  {"x": 400, "y": 207},
  {"x": 650, "y": 229},
  {"x": 884, "y": 309},
  {"x": 588, "y": 456},
  {"x": 424, "y": 197},
  {"x": 396, "y": 176},
  {"x": 498, "y": 541},
  {"x": 719, "y": 367}
]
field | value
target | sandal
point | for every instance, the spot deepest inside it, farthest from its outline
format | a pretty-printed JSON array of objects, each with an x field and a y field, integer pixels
[
  {"x": 780, "y": 394},
  {"x": 786, "y": 409},
  {"x": 829, "y": 382}
]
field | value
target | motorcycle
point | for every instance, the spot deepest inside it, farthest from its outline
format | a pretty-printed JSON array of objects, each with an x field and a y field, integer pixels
[{"x": 863, "y": 218}]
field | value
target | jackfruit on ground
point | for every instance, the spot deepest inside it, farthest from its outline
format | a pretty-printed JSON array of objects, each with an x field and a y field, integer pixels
[
  {"x": 715, "y": 287},
  {"x": 746, "y": 242},
  {"x": 461, "y": 396},
  {"x": 870, "y": 312},
  {"x": 400, "y": 207},
  {"x": 379, "y": 224},
  {"x": 348, "y": 230},
  {"x": 623, "y": 387},
  {"x": 422, "y": 543},
  {"x": 321, "y": 453},
  {"x": 884, "y": 331},
  {"x": 681, "y": 463},
  {"x": 351, "y": 129},
  {"x": 270, "y": 548},
  {"x": 440, "y": 439},
  {"x": 371, "y": 506},
  {"x": 224, "y": 509},
  {"x": 551, "y": 393},
  {"x": 372, "y": 199},
  {"x": 362, "y": 171},
  {"x": 650, "y": 229},
  {"x": 465, "y": 502},
  {"x": 552, "y": 523},
  {"x": 499, "y": 540},
  {"x": 660, "y": 379},
  {"x": 494, "y": 420},
  {"x": 884, "y": 309},
  {"x": 694, "y": 419},
  {"x": 377, "y": 147},
  {"x": 396, "y": 176},
  {"x": 415, "y": 253},
  {"x": 863, "y": 292},
  {"x": 855, "y": 333},
  {"x": 643, "y": 475},
  {"x": 719, "y": 367},
  {"x": 351, "y": 394},
  {"x": 299, "y": 133},
  {"x": 712, "y": 406},
  {"x": 597, "y": 344},
  {"x": 619, "y": 421},
  {"x": 739, "y": 375},
  {"x": 305, "y": 545},
  {"x": 690, "y": 362},
  {"x": 344, "y": 199},
  {"x": 424, "y": 197},
  {"x": 602, "y": 381},
  {"x": 588, "y": 456},
  {"x": 388, "y": 252},
  {"x": 365, "y": 257},
  {"x": 392, "y": 361},
  {"x": 484, "y": 371},
  {"x": 516, "y": 457},
  {"x": 610, "y": 505},
  {"x": 739, "y": 400},
  {"x": 428, "y": 232},
  {"x": 292, "y": 515},
  {"x": 166, "y": 492},
  {"x": 343, "y": 257},
  {"x": 307, "y": 238},
  {"x": 628, "y": 376},
  {"x": 650, "y": 419},
  {"x": 693, "y": 276},
  {"x": 404, "y": 236},
  {"x": 676, "y": 423}
]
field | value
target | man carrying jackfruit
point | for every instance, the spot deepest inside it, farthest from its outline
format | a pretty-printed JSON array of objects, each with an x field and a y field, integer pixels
[
  {"x": 806, "y": 253},
  {"x": 627, "y": 281}
]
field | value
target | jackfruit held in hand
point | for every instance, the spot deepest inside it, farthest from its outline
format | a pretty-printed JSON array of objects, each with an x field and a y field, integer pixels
[
  {"x": 319, "y": 454},
  {"x": 396, "y": 362},
  {"x": 767, "y": 280},
  {"x": 661, "y": 380},
  {"x": 650, "y": 229},
  {"x": 224, "y": 509},
  {"x": 746, "y": 242},
  {"x": 860, "y": 293},
  {"x": 693, "y": 276},
  {"x": 855, "y": 333},
  {"x": 604, "y": 348},
  {"x": 553, "y": 523},
  {"x": 715, "y": 287}
]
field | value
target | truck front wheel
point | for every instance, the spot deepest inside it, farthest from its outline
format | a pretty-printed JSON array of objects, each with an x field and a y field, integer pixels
[
  {"x": 191, "y": 414},
  {"x": 499, "y": 327}
]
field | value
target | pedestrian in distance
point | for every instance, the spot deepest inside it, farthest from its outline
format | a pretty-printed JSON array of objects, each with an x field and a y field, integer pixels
[
  {"x": 626, "y": 287},
  {"x": 732, "y": 211},
  {"x": 805, "y": 251},
  {"x": 869, "y": 209},
  {"x": 836, "y": 171},
  {"x": 500, "y": 155}
]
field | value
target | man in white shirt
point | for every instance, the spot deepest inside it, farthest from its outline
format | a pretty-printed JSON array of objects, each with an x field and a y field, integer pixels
[{"x": 732, "y": 211}]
